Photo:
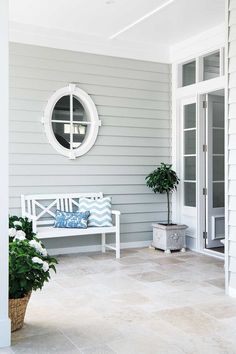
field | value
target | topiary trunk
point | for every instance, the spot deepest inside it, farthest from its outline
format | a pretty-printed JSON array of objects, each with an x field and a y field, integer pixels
[{"x": 168, "y": 207}]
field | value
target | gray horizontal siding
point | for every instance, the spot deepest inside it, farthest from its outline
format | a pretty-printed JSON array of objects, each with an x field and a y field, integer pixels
[
  {"x": 144, "y": 83},
  {"x": 232, "y": 145},
  {"x": 98, "y": 60},
  {"x": 62, "y": 66},
  {"x": 133, "y": 102}
]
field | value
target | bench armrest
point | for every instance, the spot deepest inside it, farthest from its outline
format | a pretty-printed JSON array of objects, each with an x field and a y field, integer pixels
[
  {"x": 115, "y": 212},
  {"x": 117, "y": 217}
]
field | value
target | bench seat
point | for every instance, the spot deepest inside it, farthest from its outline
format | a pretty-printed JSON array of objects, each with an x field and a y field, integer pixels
[
  {"x": 41, "y": 209},
  {"x": 52, "y": 232}
]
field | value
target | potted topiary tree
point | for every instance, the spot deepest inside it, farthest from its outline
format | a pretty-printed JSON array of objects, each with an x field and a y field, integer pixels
[{"x": 166, "y": 235}]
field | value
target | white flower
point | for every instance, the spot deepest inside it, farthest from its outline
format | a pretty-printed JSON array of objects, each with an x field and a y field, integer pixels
[
  {"x": 38, "y": 247},
  {"x": 44, "y": 252},
  {"x": 45, "y": 266},
  {"x": 12, "y": 232},
  {"x": 17, "y": 223},
  {"x": 37, "y": 260},
  {"x": 20, "y": 235},
  {"x": 40, "y": 261}
]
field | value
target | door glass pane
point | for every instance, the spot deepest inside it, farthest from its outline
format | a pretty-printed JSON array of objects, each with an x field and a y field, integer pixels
[
  {"x": 190, "y": 194},
  {"x": 218, "y": 141},
  {"x": 190, "y": 116},
  {"x": 211, "y": 66},
  {"x": 62, "y": 133},
  {"x": 190, "y": 142},
  {"x": 218, "y": 168},
  {"x": 189, "y": 73},
  {"x": 218, "y": 195},
  {"x": 61, "y": 110},
  {"x": 218, "y": 114},
  {"x": 219, "y": 227},
  {"x": 190, "y": 168}
]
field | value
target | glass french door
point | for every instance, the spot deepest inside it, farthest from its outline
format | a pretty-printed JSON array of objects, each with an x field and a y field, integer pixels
[{"x": 214, "y": 170}]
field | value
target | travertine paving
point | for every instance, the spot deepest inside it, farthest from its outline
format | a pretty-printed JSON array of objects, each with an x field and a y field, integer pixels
[{"x": 145, "y": 303}]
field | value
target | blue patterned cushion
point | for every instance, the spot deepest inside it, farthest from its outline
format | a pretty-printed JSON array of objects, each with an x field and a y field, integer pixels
[
  {"x": 100, "y": 211},
  {"x": 75, "y": 219}
]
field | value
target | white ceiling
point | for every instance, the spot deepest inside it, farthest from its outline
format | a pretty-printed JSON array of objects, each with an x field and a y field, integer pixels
[{"x": 98, "y": 20}]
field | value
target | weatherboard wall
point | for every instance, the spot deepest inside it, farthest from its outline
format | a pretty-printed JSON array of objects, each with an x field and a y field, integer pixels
[{"x": 133, "y": 103}]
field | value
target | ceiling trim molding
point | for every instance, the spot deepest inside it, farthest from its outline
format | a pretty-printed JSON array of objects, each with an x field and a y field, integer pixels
[
  {"x": 56, "y": 38},
  {"x": 204, "y": 42}
]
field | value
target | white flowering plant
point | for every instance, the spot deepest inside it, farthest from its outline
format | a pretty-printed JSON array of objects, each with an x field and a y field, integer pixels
[
  {"x": 17, "y": 224},
  {"x": 29, "y": 262}
]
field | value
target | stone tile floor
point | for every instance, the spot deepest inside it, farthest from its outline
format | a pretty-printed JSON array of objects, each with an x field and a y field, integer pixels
[{"x": 145, "y": 303}]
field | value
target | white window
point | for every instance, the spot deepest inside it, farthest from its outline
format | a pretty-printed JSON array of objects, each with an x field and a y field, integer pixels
[
  {"x": 206, "y": 67},
  {"x": 71, "y": 121}
]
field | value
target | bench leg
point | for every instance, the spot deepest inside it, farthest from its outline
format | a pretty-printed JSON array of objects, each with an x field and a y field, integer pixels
[
  {"x": 118, "y": 244},
  {"x": 103, "y": 243}
]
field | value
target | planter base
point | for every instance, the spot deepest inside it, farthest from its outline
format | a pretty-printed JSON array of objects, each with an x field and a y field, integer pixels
[
  {"x": 168, "y": 251},
  {"x": 169, "y": 237},
  {"x": 17, "y": 308}
]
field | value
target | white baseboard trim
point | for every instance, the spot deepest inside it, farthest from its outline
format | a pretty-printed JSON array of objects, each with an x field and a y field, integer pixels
[
  {"x": 5, "y": 333},
  {"x": 232, "y": 292},
  {"x": 213, "y": 253},
  {"x": 96, "y": 248}
]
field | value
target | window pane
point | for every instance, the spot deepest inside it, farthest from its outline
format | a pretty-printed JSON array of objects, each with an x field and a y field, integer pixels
[
  {"x": 218, "y": 195},
  {"x": 190, "y": 116},
  {"x": 218, "y": 168},
  {"x": 218, "y": 141},
  {"x": 190, "y": 142},
  {"x": 61, "y": 110},
  {"x": 189, "y": 73},
  {"x": 62, "y": 133},
  {"x": 211, "y": 66},
  {"x": 79, "y": 113},
  {"x": 190, "y": 194},
  {"x": 190, "y": 168}
]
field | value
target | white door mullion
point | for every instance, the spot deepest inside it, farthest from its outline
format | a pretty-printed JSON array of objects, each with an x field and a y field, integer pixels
[
  {"x": 222, "y": 61},
  {"x": 199, "y": 69}
]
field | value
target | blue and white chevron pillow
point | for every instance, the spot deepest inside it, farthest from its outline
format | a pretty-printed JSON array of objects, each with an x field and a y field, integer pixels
[
  {"x": 100, "y": 211},
  {"x": 71, "y": 219}
]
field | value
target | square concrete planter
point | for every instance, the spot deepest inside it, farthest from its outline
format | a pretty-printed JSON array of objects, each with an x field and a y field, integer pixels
[{"x": 169, "y": 237}]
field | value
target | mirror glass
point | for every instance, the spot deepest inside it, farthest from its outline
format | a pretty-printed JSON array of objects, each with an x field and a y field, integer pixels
[{"x": 69, "y": 133}]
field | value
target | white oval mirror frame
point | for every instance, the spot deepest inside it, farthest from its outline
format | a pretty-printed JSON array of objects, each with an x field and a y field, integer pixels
[{"x": 91, "y": 112}]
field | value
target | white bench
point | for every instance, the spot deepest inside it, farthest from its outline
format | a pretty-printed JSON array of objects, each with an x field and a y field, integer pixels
[{"x": 41, "y": 210}]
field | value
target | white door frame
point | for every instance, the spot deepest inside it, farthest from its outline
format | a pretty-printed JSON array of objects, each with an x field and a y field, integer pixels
[
  {"x": 5, "y": 326},
  {"x": 196, "y": 92}
]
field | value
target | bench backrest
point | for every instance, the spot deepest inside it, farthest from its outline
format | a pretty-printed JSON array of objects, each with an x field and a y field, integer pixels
[{"x": 42, "y": 207}]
